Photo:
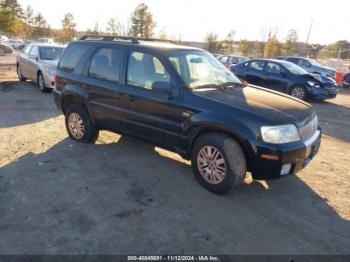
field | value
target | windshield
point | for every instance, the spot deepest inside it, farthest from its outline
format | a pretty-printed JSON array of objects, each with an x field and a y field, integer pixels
[
  {"x": 50, "y": 53},
  {"x": 200, "y": 69},
  {"x": 294, "y": 69}
]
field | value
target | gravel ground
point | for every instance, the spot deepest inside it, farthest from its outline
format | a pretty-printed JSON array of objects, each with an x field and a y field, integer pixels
[{"x": 123, "y": 196}]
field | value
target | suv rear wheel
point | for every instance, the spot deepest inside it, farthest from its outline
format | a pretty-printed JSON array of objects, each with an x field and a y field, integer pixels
[
  {"x": 79, "y": 126},
  {"x": 218, "y": 163}
]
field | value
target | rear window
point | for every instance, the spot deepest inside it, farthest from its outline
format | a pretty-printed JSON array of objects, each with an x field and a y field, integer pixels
[
  {"x": 105, "y": 64},
  {"x": 72, "y": 57}
]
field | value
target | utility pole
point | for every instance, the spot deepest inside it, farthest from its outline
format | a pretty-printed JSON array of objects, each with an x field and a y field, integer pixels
[{"x": 308, "y": 35}]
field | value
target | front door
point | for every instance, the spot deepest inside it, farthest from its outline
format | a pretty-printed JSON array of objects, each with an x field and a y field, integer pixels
[
  {"x": 150, "y": 114},
  {"x": 274, "y": 77}
]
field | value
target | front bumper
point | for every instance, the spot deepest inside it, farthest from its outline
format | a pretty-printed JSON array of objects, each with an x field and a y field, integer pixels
[
  {"x": 322, "y": 93},
  {"x": 297, "y": 154}
]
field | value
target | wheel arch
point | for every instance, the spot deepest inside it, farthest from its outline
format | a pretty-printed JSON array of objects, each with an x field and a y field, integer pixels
[{"x": 202, "y": 130}]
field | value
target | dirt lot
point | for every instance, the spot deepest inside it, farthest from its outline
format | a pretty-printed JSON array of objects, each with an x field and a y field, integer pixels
[{"x": 124, "y": 196}]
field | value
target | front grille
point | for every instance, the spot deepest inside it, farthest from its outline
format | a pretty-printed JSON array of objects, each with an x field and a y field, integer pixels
[{"x": 309, "y": 129}]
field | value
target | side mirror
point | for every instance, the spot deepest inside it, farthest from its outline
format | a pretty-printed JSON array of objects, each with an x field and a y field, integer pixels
[{"x": 163, "y": 88}]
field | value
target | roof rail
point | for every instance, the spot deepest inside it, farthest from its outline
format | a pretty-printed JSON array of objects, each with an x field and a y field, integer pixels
[
  {"x": 109, "y": 38},
  {"x": 155, "y": 40}
]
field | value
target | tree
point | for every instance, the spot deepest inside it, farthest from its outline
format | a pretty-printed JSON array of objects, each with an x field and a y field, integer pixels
[
  {"x": 142, "y": 24},
  {"x": 68, "y": 27},
  {"x": 290, "y": 46},
  {"x": 273, "y": 47},
  {"x": 213, "y": 44},
  {"x": 229, "y": 42},
  {"x": 11, "y": 15},
  {"x": 41, "y": 25},
  {"x": 29, "y": 19},
  {"x": 112, "y": 27},
  {"x": 246, "y": 47}
]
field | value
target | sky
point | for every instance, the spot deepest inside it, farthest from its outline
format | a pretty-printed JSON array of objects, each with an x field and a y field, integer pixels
[{"x": 192, "y": 19}]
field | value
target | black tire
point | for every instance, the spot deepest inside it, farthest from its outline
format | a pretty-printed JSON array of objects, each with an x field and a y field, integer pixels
[
  {"x": 41, "y": 83},
  {"x": 90, "y": 133},
  {"x": 20, "y": 75},
  {"x": 235, "y": 162},
  {"x": 298, "y": 92}
]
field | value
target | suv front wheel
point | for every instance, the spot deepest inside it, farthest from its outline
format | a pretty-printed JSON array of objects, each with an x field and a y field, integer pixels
[
  {"x": 218, "y": 163},
  {"x": 79, "y": 126}
]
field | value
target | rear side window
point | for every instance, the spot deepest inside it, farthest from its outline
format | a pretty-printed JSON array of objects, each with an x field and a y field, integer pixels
[
  {"x": 105, "y": 64},
  {"x": 72, "y": 57},
  {"x": 257, "y": 65},
  {"x": 26, "y": 50}
]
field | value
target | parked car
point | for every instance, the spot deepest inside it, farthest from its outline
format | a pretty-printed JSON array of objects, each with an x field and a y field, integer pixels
[
  {"x": 310, "y": 66},
  {"x": 183, "y": 99},
  {"x": 346, "y": 80},
  {"x": 3, "y": 38},
  {"x": 15, "y": 43},
  {"x": 6, "y": 49},
  {"x": 232, "y": 60},
  {"x": 286, "y": 77},
  {"x": 38, "y": 63},
  {"x": 45, "y": 40}
]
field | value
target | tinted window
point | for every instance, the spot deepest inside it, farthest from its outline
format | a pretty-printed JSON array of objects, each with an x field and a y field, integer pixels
[
  {"x": 72, "y": 57},
  {"x": 105, "y": 64},
  {"x": 257, "y": 65},
  {"x": 50, "y": 53},
  {"x": 273, "y": 68},
  {"x": 34, "y": 51},
  {"x": 145, "y": 69}
]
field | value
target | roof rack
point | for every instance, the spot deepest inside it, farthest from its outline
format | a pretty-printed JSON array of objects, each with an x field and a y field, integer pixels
[{"x": 110, "y": 38}]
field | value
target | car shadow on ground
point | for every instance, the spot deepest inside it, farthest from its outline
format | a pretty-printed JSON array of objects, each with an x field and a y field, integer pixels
[
  {"x": 28, "y": 105},
  {"x": 127, "y": 198},
  {"x": 333, "y": 119}
]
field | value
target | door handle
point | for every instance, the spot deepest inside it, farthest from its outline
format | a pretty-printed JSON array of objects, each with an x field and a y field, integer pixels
[{"x": 131, "y": 98}]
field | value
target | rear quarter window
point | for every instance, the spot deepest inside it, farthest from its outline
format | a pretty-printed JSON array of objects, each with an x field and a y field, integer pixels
[{"x": 72, "y": 57}]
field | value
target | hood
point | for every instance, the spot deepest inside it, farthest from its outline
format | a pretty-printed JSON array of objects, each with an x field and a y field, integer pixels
[
  {"x": 277, "y": 108},
  {"x": 50, "y": 63}
]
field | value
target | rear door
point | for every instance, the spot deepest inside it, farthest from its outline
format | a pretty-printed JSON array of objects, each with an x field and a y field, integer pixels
[
  {"x": 32, "y": 63},
  {"x": 23, "y": 60},
  {"x": 150, "y": 115},
  {"x": 254, "y": 72},
  {"x": 102, "y": 82},
  {"x": 275, "y": 77}
]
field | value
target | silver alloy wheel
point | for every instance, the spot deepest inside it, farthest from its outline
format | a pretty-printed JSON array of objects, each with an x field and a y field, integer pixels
[
  {"x": 211, "y": 164},
  {"x": 298, "y": 92},
  {"x": 41, "y": 82},
  {"x": 76, "y": 125}
]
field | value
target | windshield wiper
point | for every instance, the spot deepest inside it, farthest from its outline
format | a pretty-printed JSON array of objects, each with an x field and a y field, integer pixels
[{"x": 223, "y": 86}]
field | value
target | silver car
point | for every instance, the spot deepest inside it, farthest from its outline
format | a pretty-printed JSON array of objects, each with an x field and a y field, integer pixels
[{"x": 38, "y": 63}]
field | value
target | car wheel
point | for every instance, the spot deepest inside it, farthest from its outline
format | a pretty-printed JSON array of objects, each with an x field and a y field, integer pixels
[
  {"x": 218, "y": 163},
  {"x": 41, "y": 83},
  {"x": 298, "y": 92},
  {"x": 20, "y": 75},
  {"x": 79, "y": 126}
]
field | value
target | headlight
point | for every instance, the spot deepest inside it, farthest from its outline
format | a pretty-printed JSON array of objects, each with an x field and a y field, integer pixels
[
  {"x": 313, "y": 84},
  {"x": 280, "y": 134}
]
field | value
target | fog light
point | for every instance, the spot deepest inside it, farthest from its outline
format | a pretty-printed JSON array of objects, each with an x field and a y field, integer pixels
[{"x": 286, "y": 169}]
